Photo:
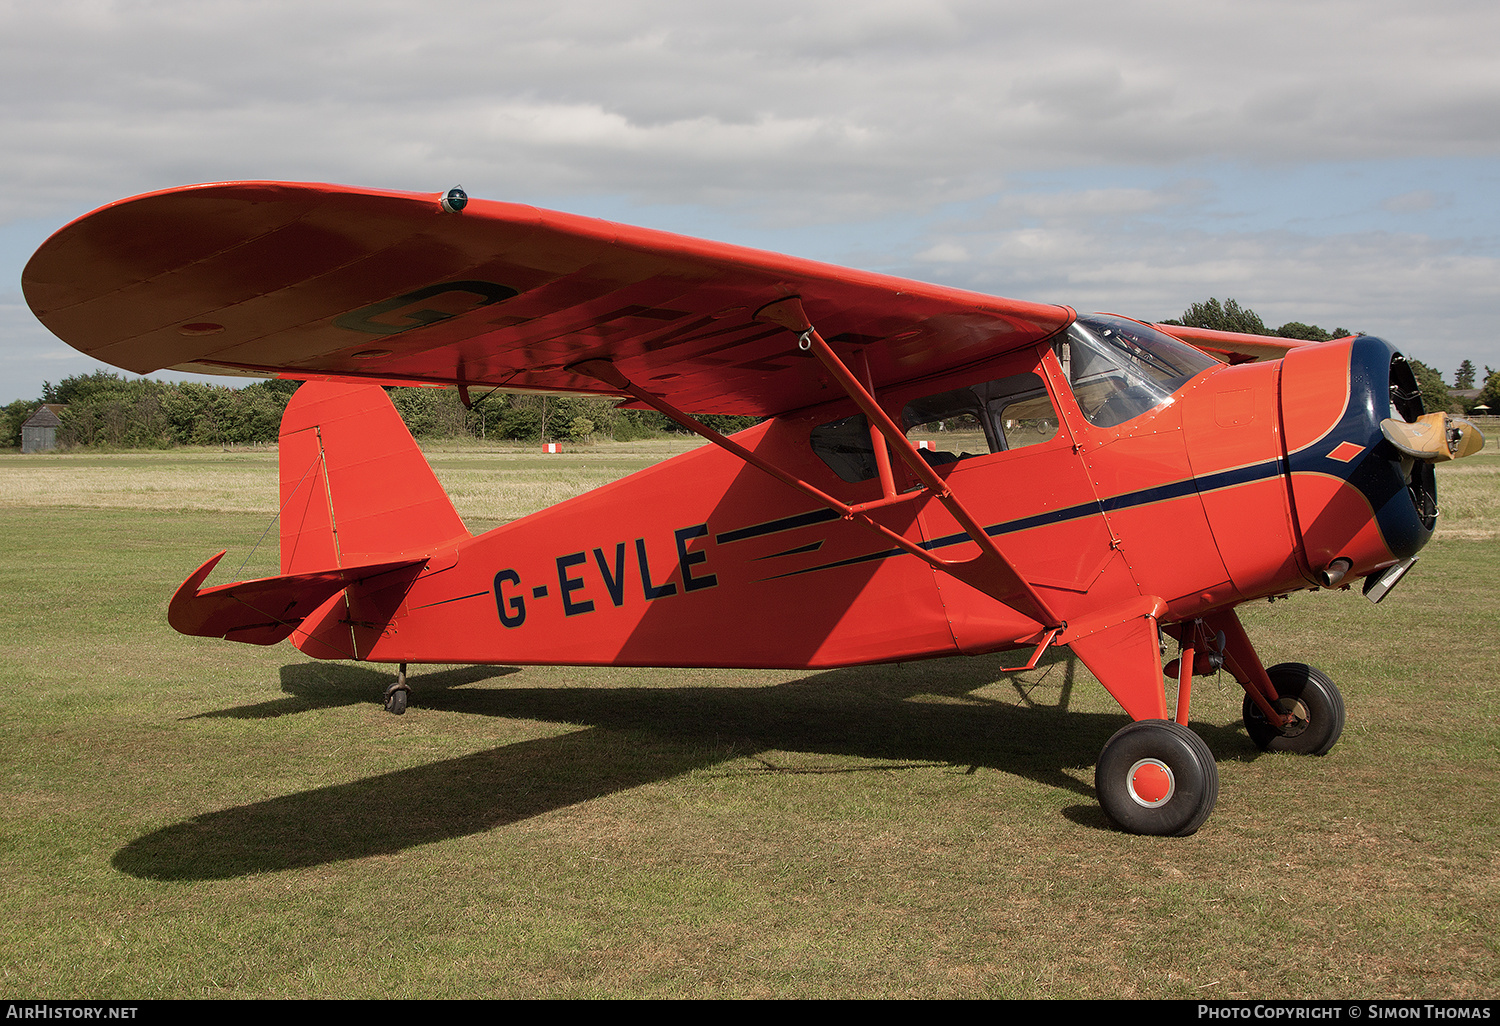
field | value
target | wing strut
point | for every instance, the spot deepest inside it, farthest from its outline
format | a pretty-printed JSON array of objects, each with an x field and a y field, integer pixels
[{"x": 989, "y": 572}]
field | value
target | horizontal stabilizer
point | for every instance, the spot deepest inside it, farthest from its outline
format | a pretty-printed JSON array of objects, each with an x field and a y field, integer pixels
[{"x": 265, "y": 611}]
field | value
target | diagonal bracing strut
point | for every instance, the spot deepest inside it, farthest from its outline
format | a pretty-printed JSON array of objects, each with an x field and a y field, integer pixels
[{"x": 989, "y": 571}]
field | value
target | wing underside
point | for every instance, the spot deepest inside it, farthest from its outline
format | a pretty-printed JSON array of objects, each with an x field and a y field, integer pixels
[{"x": 320, "y": 281}]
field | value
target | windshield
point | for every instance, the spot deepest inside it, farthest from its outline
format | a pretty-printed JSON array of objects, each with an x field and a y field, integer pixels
[{"x": 1120, "y": 368}]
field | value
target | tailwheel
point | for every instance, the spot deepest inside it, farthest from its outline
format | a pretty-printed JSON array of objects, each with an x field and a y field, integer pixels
[
  {"x": 1311, "y": 700},
  {"x": 1157, "y": 777},
  {"x": 397, "y": 694}
]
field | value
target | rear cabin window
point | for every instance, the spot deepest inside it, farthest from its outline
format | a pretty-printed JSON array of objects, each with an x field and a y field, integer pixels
[{"x": 1007, "y": 413}]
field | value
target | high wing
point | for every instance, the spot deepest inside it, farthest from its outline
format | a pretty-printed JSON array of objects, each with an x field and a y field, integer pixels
[
  {"x": 1234, "y": 346},
  {"x": 321, "y": 281}
]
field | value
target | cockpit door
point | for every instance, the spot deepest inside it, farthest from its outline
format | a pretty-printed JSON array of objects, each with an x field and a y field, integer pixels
[
  {"x": 1129, "y": 383},
  {"x": 1003, "y": 444}
]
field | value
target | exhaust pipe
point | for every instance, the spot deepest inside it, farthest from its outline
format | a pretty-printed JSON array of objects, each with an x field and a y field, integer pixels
[{"x": 1334, "y": 572}]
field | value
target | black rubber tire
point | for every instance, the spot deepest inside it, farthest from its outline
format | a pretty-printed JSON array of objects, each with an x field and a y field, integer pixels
[
  {"x": 396, "y": 702},
  {"x": 1307, "y": 693},
  {"x": 1171, "y": 751}
]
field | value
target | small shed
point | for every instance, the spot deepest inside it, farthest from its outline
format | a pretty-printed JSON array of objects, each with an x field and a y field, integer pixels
[{"x": 39, "y": 432}]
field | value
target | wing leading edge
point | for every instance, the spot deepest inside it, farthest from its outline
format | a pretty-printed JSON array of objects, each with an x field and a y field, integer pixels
[{"x": 321, "y": 281}]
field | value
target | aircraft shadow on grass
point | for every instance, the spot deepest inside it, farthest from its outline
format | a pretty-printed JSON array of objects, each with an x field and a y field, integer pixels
[
  {"x": 897, "y": 714},
  {"x": 311, "y": 686}
]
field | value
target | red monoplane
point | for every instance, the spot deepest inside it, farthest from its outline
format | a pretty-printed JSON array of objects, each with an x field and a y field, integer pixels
[{"x": 1110, "y": 482}]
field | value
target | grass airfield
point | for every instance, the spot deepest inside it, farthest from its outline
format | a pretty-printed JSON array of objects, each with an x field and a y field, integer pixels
[{"x": 188, "y": 818}]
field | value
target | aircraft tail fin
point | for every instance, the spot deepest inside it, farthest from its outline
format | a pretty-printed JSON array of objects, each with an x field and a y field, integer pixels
[
  {"x": 359, "y": 507},
  {"x": 355, "y": 489}
]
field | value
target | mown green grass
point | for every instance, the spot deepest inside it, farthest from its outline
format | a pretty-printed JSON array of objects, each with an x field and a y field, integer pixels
[{"x": 191, "y": 818}]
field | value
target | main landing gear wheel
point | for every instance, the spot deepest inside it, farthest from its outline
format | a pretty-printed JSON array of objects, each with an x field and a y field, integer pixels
[
  {"x": 1313, "y": 702},
  {"x": 1157, "y": 777}
]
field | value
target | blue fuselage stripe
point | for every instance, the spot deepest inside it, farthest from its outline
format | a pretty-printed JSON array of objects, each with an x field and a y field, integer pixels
[{"x": 1142, "y": 497}]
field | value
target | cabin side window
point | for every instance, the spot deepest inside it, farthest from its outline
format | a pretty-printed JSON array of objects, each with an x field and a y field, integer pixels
[
  {"x": 845, "y": 446},
  {"x": 946, "y": 427}
]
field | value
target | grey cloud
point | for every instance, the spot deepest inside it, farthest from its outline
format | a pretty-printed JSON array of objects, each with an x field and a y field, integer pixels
[
  {"x": 1401, "y": 286},
  {"x": 791, "y": 99},
  {"x": 797, "y": 113}
]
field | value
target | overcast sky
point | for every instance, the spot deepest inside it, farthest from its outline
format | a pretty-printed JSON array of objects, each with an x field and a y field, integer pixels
[{"x": 1326, "y": 161}]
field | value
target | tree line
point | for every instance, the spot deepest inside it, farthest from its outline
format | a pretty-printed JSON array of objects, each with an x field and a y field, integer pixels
[
  {"x": 102, "y": 410},
  {"x": 1436, "y": 397}
]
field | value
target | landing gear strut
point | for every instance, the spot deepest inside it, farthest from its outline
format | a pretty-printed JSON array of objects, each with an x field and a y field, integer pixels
[
  {"x": 397, "y": 694},
  {"x": 1155, "y": 776}
]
